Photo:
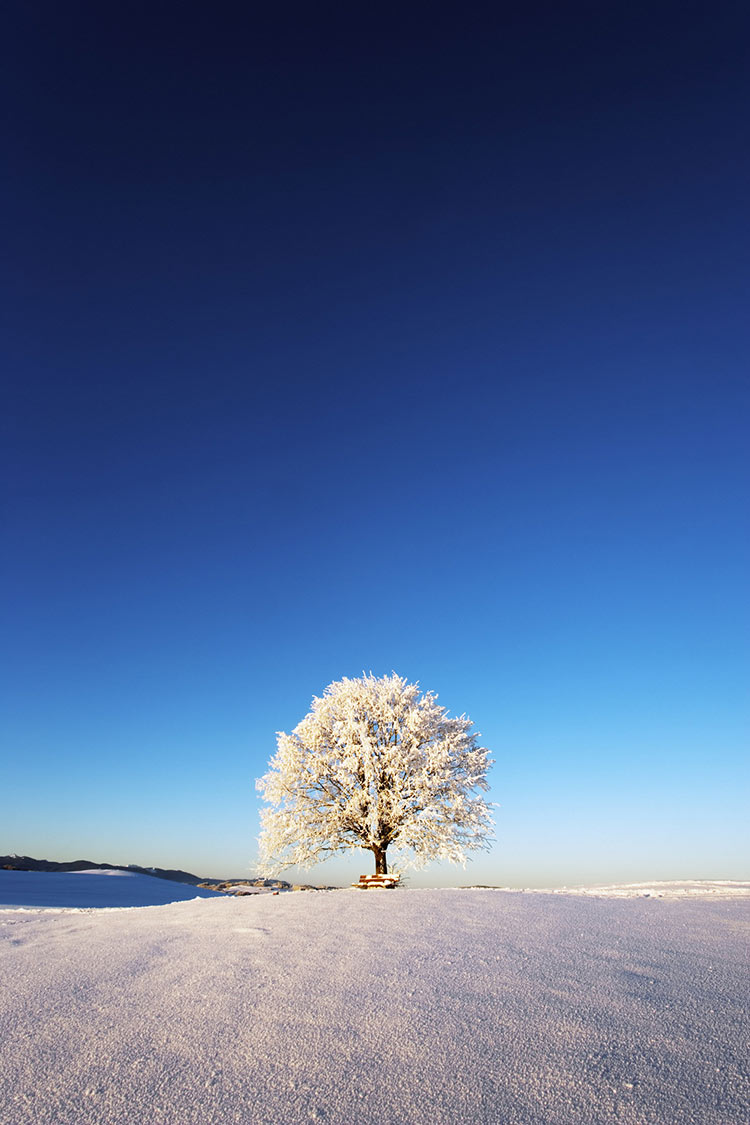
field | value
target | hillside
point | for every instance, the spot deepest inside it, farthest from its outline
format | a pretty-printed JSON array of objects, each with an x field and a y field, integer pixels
[{"x": 28, "y": 863}]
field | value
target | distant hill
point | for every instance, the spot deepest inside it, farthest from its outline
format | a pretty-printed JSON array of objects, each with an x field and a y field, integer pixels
[{"x": 27, "y": 863}]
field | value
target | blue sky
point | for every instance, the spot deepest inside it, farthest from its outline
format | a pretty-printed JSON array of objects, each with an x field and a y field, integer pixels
[{"x": 355, "y": 341}]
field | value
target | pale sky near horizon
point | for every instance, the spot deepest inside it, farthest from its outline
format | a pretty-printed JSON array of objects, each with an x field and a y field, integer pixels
[{"x": 396, "y": 339}]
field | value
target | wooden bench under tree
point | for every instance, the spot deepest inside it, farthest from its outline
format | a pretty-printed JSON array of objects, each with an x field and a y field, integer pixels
[{"x": 377, "y": 882}]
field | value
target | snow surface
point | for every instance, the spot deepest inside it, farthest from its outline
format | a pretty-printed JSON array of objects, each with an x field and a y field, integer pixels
[
  {"x": 693, "y": 888},
  {"x": 92, "y": 888},
  {"x": 410, "y": 1007}
]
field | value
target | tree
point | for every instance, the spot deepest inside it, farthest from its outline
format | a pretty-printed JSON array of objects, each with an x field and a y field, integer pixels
[{"x": 375, "y": 764}]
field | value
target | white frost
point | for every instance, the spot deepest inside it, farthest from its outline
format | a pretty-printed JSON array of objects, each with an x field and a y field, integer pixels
[{"x": 376, "y": 764}]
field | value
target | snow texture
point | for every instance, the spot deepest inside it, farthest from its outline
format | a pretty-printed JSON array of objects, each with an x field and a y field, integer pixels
[{"x": 416, "y": 1007}]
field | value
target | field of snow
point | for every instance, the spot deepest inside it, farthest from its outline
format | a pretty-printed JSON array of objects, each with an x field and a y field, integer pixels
[
  {"x": 413, "y": 1007},
  {"x": 94, "y": 888},
  {"x": 696, "y": 888}
]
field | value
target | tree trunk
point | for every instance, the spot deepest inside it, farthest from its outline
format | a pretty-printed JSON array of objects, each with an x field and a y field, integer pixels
[{"x": 381, "y": 867}]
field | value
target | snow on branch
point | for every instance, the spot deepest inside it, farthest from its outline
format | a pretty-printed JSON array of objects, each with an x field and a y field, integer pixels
[{"x": 375, "y": 764}]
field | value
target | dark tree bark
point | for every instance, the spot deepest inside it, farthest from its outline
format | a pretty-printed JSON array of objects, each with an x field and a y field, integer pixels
[{"x": 381, "y": 867}]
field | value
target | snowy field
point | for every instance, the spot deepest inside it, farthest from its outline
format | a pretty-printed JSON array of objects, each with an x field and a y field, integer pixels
[
  {"x": 94, "y": 888},
  {"x": 421, "y": 1007},
  {"x": 700, "y": 888}
]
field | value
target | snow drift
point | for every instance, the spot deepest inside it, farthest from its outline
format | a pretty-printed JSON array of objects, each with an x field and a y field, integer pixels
[{"x": 94, "y": 888}]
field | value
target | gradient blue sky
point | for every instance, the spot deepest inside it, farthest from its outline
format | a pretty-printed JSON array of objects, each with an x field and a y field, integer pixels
[{"x": 346, "y": 338}]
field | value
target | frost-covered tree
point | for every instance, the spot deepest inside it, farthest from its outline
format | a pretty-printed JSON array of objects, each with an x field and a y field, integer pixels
[{"x": 375, "y": 764}]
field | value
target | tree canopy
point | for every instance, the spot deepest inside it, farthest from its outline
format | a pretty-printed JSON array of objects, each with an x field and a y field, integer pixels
[{"x": 375, "y": 764}]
